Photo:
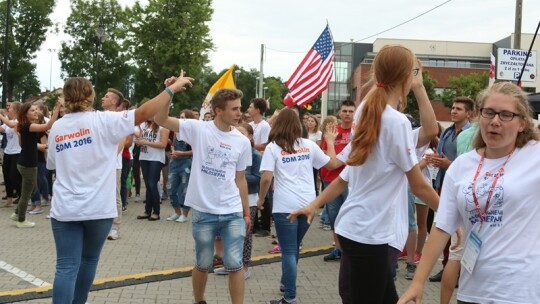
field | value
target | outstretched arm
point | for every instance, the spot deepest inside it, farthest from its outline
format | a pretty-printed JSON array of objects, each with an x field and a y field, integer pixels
[
  {"x": 161, "y": 102},
  {"x": 331, "y": 192}
]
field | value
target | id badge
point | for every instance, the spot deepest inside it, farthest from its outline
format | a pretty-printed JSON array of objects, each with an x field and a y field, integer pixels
[{"x": 471, "y": 251}]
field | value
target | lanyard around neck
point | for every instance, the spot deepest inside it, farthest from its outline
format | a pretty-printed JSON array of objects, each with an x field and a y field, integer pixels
[{"x": 491, "y": 189}]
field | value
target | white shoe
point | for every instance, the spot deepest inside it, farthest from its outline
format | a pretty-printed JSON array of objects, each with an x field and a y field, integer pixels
[
  {"x": 25, "y": 224},
  {"x": 173, "y": 217},
  {"x": 36, "y": 211},
  {"x": 182, "y": 219},
  {"x": 138, "y": 198},
  {"x": 113, "y": 235},
  {"x": 221, "y": 271},
  {"x": 247, "y": 274},
  {"x": 48, "y": 216}
]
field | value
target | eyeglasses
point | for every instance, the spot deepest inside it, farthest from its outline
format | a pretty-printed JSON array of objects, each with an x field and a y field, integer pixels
[
  {"x": 415, "y": 71},
  {"x": 503, "y": 115}
]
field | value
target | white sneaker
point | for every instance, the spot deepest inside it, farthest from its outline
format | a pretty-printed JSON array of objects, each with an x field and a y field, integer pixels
[
  {"x": 247, "y": 274},
  {"x": 138, "y": 198},
  {"x": 25, "y": 224},
  {"x": 113, "y": 235},
  {"x": 36, "y": 211},
  {"x": 48, "y": 216},
  {"x": 14, "y": 217},
  {"x": 221, "y": 271},
  {"x": 182, "y": 219},
  {"x": 173, "y": 217}
]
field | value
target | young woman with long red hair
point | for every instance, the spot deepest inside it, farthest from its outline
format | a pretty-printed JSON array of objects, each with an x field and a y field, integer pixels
[{"x": 380, "y": 161}]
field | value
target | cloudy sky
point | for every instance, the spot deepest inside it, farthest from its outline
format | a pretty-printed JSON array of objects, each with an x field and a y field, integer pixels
[{"x": 289, "y": 28}]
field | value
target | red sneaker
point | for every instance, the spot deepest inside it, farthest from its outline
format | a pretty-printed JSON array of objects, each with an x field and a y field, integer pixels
[
  {"x": 403, "y": 255},
  {"x": 417, "y": 258}
]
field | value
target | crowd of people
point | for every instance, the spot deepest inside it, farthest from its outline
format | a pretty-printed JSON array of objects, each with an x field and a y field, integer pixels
[{"x": 381, "y": 181}]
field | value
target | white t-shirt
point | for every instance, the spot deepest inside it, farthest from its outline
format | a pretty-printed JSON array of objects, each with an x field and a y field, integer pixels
[
  {"x": 253, "y": 198},
  {"x": 147, "y": 152},
  {"x": 377, "y": 200},
  {"x": 217, "y": 156},
  {"x": 293, "y": 174},
  {"x": 82, "y": 150},
  {"x": 261, "y": 131},
  {"x": 508, "y": 267},
  {"x": 315, "y": 136},
  {"x": 12, "y": 146}
]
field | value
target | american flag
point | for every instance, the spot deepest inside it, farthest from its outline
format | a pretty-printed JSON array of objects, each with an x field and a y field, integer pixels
[{"x": 313, "y": 74}]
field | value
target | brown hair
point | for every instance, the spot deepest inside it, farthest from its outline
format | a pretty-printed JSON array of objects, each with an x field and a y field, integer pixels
[
  {"x": 466, "y": 101},
  {"x": 15, "y": 107},
  {"x": 286, "y": 130},
  {"x": 259, "y": 103},
  {"x": 523, "y": 109},
  {"x": 187, "y": 113},
  {"x": 22, "y": 118},
  {"x": 119, "y": 94},
  {"x": 392, "y": 68},
  {"x": 317, "y": 122},
  {"x": 42, "y": 107},
  {"x": 78, "y": 95},
  {"x": 222, "y": 96},
  {"x": 327, "y": 120}
]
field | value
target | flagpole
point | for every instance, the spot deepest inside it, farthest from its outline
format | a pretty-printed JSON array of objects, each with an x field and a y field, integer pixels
[
  {"x": 260, "y": 89},
  {"x": 324, "y": 105}
]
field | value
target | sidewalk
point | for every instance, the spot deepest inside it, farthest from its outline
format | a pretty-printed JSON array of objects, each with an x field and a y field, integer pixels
[{"x": 151, "y": 263}]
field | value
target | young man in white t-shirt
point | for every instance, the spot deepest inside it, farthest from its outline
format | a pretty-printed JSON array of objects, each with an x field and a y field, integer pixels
[
  {"x": 217, "y": 191},
  {"x": 261, "y": 131},
  {"x": 110, "y": 102}
]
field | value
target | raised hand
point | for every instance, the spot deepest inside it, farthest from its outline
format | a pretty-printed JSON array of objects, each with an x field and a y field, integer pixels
[{"x": 180, "y": 83}]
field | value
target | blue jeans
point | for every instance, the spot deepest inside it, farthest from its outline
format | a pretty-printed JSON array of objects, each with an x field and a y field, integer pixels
[
  {"x": 78, "y": 246},
  {"x": 151, "y": 170},
  {"x": 290, "y": 236},
  {"x": 332, "y": 207},
  {"x": 232, "y": 229},
  {"x": 43, "y": 182},
  {"x": 179, "y": 178}
]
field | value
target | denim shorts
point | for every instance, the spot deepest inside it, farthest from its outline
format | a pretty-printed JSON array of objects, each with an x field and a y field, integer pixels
[{"x": 232, "y": 229}]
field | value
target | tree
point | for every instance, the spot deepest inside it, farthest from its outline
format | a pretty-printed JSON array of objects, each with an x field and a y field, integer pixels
[
  {"x": 28, "y": 26},
  {"x": 104, "y": 60},
  {"x": 465, "y": 85},
  {"x": 164, "y": 37},
  {"x": 412, "y": 105},
  {"x": 276, "y": 89}
]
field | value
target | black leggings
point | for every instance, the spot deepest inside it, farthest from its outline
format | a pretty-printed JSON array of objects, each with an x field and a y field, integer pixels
[
  {"x": 12, "y": 177},
  {"x": 370, "y": 279}
]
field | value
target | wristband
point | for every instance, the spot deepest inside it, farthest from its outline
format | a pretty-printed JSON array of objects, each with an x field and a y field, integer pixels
[
  {"x": 247, "y": 216},
  {"x": 169, "y": 92}
]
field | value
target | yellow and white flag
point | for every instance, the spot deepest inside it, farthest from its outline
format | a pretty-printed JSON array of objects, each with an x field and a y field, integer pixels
[{"x": 226, "y": 81}]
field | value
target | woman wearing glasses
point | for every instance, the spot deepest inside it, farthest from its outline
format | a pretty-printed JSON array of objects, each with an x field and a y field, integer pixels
[{"x": 493, "y": 192}]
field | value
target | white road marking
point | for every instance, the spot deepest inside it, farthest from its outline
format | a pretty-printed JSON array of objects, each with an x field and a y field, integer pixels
[{"x": 23, "y": 275}]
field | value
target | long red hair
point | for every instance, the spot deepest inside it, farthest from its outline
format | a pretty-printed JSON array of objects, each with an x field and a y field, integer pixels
[{"x": 392, "y": 68}]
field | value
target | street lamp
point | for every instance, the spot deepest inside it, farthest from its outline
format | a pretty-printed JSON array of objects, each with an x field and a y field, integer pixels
[
  {"x": 50, "y": 71},
  {"x": 101, "y": 37},
  {"x": 264, "y": 92}
]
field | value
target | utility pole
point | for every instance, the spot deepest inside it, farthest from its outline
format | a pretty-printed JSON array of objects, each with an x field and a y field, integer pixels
[
  {"x": 517, "y": 28},
  {"x": 260, "y": 89},
  {"x": 6, "y": 54}
]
